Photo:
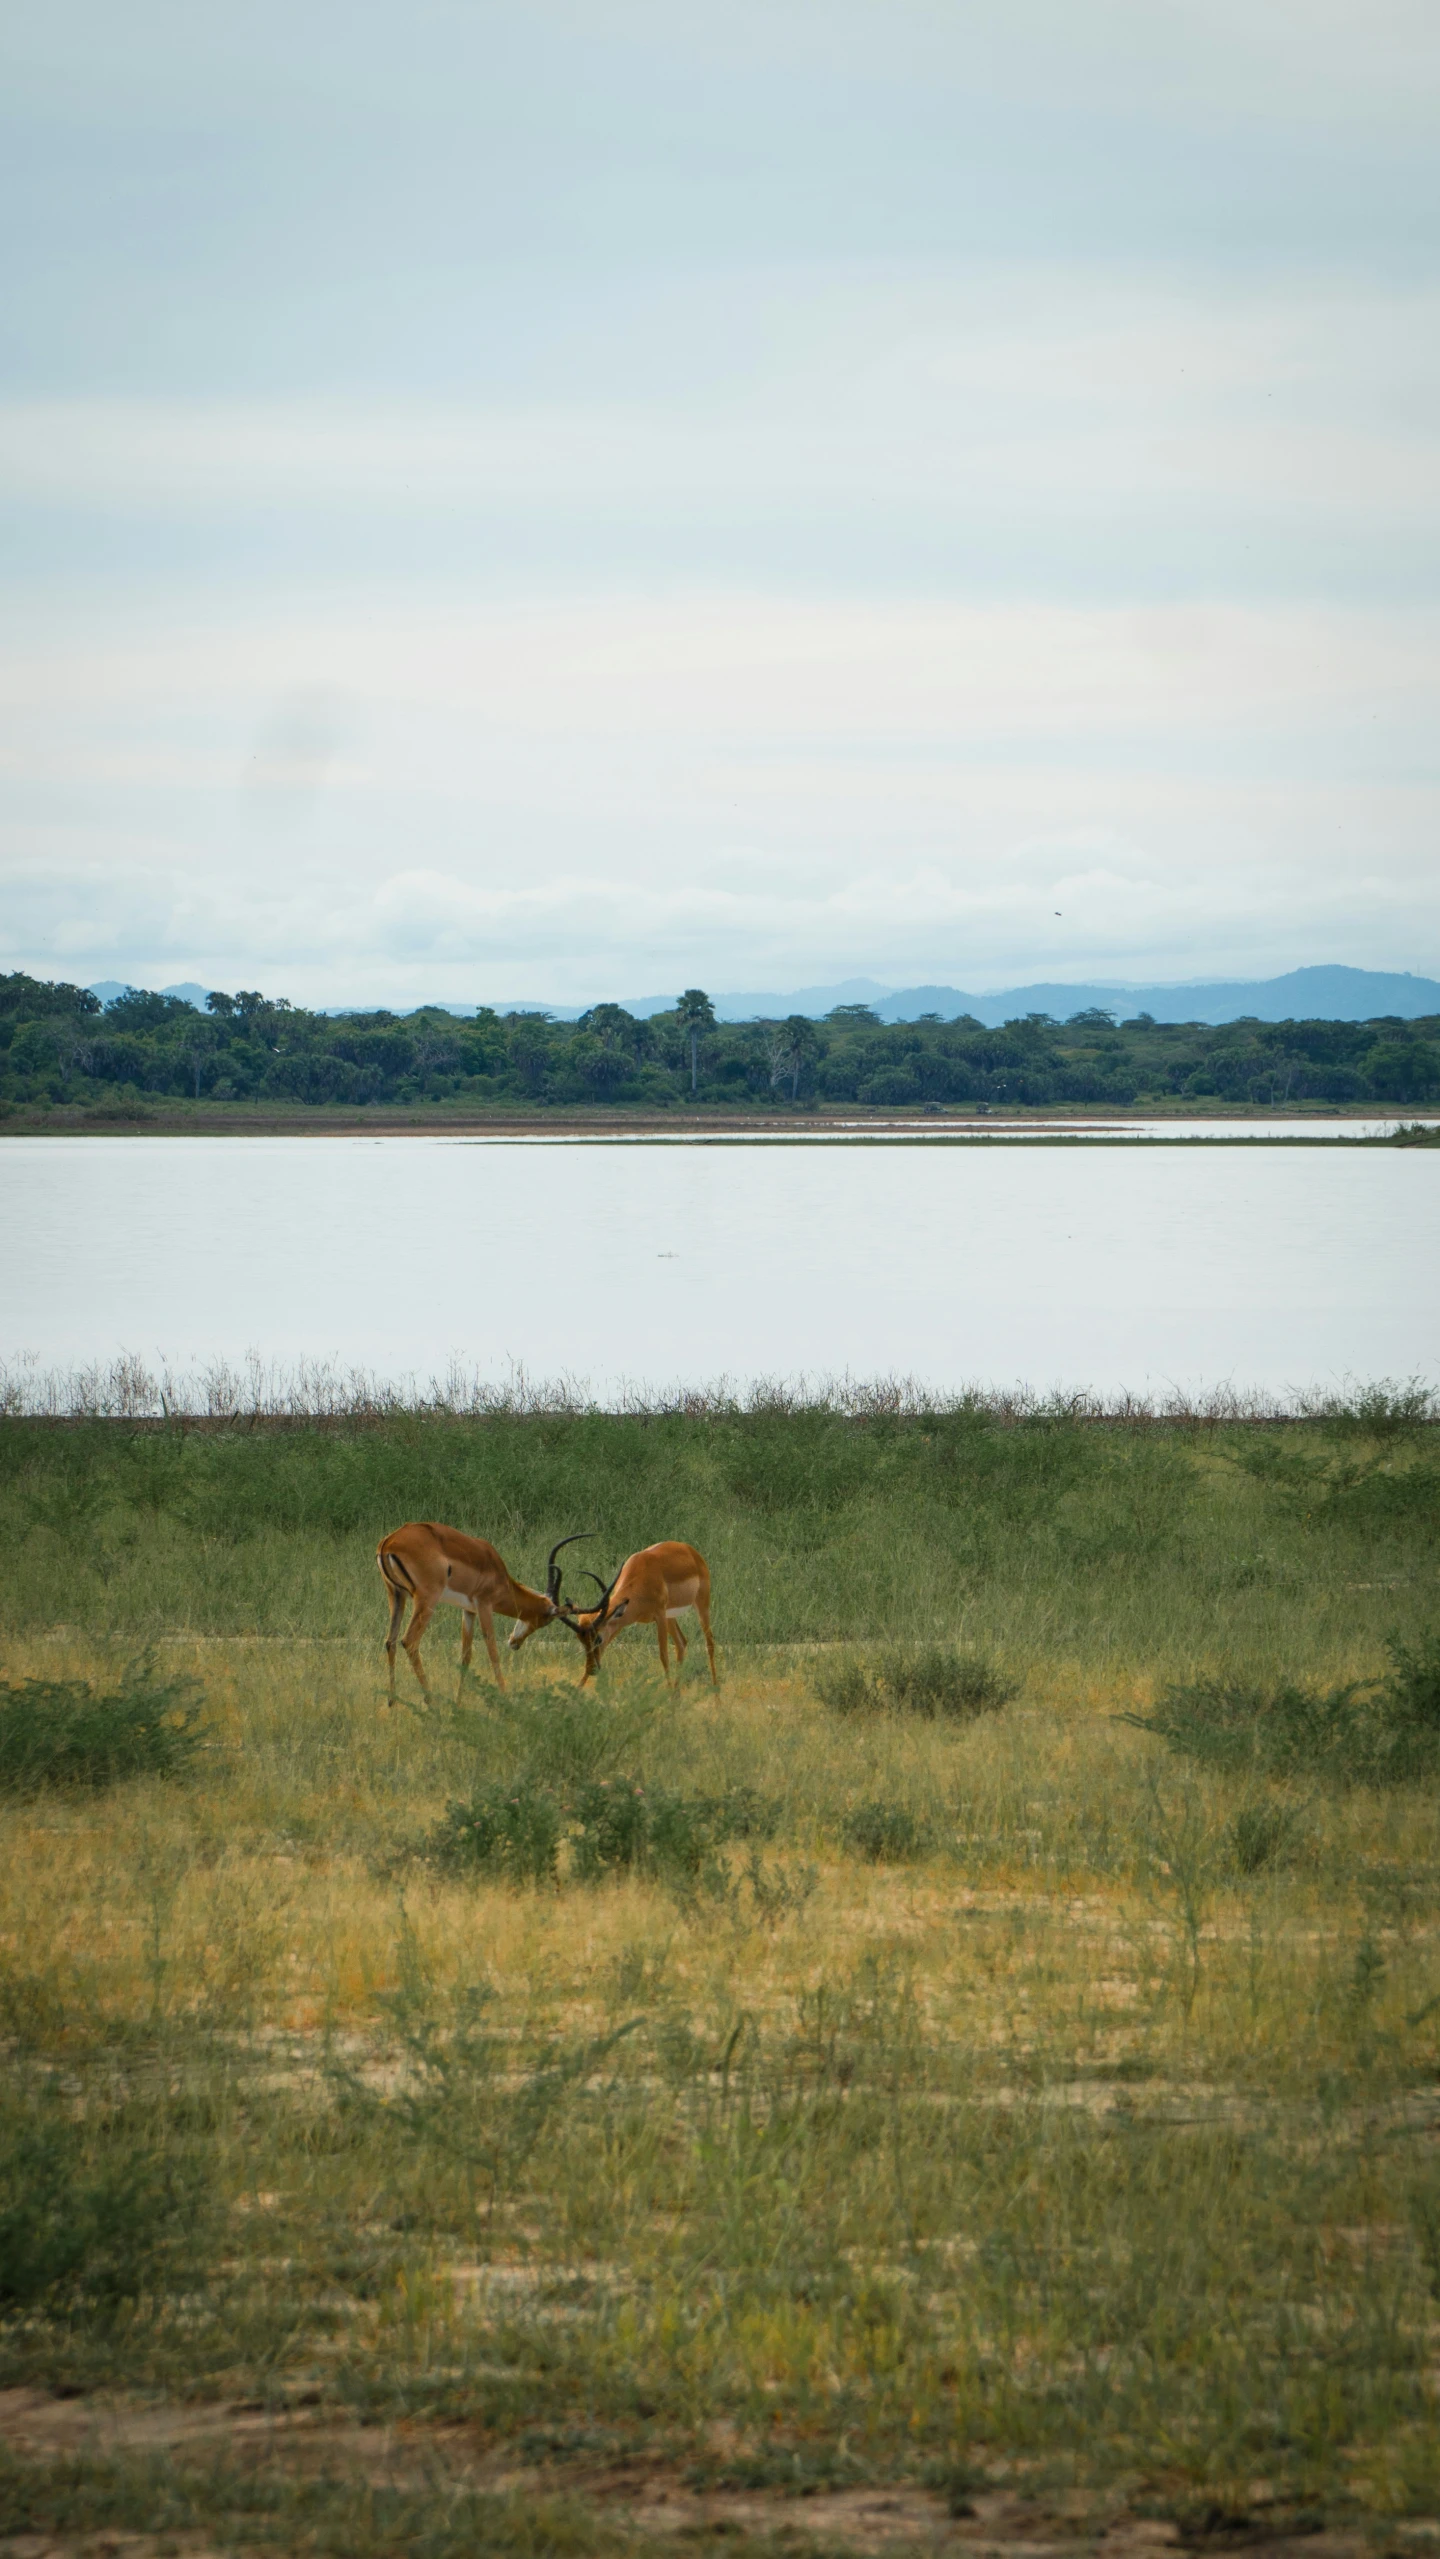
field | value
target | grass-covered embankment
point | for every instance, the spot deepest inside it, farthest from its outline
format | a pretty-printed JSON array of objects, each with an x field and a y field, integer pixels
[
  {"x": 1148, "y": 1547},
  {"x": 886, "y": 2080}
]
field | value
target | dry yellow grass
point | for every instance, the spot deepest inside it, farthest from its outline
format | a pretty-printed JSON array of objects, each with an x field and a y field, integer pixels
[{"x": 1066, "y": 2149}]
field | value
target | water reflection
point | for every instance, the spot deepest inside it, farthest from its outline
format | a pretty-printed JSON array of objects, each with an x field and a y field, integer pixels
[{"x": 1110, "y": 1268}]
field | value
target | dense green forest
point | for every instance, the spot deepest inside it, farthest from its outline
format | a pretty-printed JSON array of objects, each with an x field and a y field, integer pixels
[{"x": 58, "y": 1045}]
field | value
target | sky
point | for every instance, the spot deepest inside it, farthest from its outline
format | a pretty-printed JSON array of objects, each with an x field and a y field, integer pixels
[{"x": 574, "y": 501}]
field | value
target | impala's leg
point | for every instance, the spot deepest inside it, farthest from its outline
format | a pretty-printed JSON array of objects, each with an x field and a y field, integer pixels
[
  {"x": 424, "y": 1611},
  {"x": 662, "y": 1630},
  {"x": 397, "y": 1611},
  {"x": 487, "y": 1629},
  {"x": 702, "y": 1611},
  {"x": 467, "y": 1641},
  {"x": 678, "y": 1640}
]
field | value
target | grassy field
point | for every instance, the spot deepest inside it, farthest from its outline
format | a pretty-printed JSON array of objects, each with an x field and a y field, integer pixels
[{"x": 792, "y": 2118}]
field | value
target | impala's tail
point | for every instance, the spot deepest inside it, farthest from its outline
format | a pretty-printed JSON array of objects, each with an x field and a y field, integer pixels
[{"x": 393, "y": 1572}]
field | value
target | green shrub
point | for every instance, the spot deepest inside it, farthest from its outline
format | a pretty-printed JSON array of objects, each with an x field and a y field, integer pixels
[
  {"x": 1383, "y": 1411},
  {"x": 1377, "y": 1498},
  {"x": 1384, "y": 1487},
  {"x": 64, "y": 1732},
  {"x": 1414, "y": 1681},
  {"x": 1261, "y": 1835},
  {"x": 748, "y": 1814},
  {"x": 1274, "y": 1732},
  {"x": 660, "y": 1829},
  {"x": 514, "y": 1831},
  {"x": 615, "y": 1826},
  {"x": 627, "y": 1827},
  {"x": 937, "y": 1681},
  {"x": 92, "y": 2213},
  {"x": 885, "y": 1834},
  {"x": 614, "y": 1816},
  {"x": 686, "y": 1830},
  {"x": 1369, "y": 1732},
  {"x": 847, "y": 1688}
]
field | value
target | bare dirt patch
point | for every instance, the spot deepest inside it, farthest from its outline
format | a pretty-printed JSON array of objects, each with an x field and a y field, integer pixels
[{"x": 649, "y": 2497}]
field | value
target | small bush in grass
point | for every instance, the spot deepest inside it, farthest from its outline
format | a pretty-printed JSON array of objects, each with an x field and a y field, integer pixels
[
  {"x": 513, "y": 1831},
  {"x": 91, "y": 2213},
  {"x": 65, "y": 1732},
  {"x": 1274, "y": 1732},
  {"x": 686, "y": 1830},
  {"x": 615, "y": 1826},
  {"x": 623, "y": 1826},
  {"x": 937, "y": 1680},
  {"x": 614, "y": 1814},
  {"x": 1262, "y": 1835},
  {"x": 1414, "y": 1681},
  {"x": 1368, "y": 1732},
  {"x": 848, "y": 1688},
  {"x": 884, "y": 1834},
  {"x": 934, "y": 1680},
  {"x": 1383, "y": 1411}
]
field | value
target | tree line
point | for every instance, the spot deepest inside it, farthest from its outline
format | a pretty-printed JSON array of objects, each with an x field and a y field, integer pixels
[{"x": 58, "y": 1044}]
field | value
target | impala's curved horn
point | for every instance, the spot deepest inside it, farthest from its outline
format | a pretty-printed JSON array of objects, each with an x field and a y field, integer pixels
[
  {"x": 552, "y": 1569},
  {"x": 604, "y": 1588}
]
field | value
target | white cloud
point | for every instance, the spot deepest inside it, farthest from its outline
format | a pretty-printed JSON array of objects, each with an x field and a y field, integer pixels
[
  {"x": 571, "y": 498},
  {"x": 1045, "y": 391},
  {"x": 601, "y": 795},
  {"x": 1306, "y": 57}
]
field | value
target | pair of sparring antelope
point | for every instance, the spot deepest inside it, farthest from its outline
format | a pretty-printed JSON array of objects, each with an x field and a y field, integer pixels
[{"x": 424, "y": 1565}]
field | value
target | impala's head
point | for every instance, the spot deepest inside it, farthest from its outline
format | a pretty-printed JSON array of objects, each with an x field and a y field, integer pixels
[
  {"x": 591, "y": 1626},
  {"x": 552, "y": 1605}
]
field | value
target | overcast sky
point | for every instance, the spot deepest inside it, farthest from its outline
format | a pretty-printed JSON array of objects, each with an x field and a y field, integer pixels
[{"x": 584, "y": 500}]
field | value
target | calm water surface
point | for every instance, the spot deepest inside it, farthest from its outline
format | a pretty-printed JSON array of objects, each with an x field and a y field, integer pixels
[{"x": 650, "y": 1264}]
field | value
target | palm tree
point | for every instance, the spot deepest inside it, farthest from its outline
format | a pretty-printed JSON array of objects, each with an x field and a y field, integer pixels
[
  {"x": 195, "y": 1048},
  {"x": 792, "y": 1044},
  {"x": 696, "y": 1014}
]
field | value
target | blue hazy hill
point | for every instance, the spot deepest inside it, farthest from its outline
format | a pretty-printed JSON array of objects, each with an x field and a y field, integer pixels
[{"x": 1328, "y": 994}]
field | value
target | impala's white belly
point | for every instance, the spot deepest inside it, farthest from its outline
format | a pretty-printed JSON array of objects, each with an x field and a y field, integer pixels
[
  {"x": 681, "y": 1597},
  {"x": 459, "y": 1599}
]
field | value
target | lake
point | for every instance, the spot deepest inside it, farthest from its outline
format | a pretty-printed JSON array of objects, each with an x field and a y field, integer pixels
[{"x": 651, "y": 1264}]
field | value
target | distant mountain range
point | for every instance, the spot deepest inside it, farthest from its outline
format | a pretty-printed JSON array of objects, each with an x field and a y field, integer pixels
[
  {"x": 1313, "y": 994},
  {"x": 107, "y": 988},
  {"x": 1333, "y": 994}
]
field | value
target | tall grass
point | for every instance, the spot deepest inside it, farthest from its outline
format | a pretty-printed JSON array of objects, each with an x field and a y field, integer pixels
[
  {"x": 127, "y": 1388},
  {"x": 1049, "y": 1536}
]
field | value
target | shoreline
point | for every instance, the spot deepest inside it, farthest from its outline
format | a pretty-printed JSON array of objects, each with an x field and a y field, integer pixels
[{"x": 854, "y": 1122}]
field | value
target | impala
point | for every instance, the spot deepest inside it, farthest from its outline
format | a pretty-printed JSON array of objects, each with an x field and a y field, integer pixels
[
  {"x": 653, "y": 1588},
  {"x": 428, "y": 1564}
]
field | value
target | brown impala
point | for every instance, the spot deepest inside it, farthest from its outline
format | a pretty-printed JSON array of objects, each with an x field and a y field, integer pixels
[
  {"x": 429, "y": 1564},
  {"x": 652, "y": 1588}
]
